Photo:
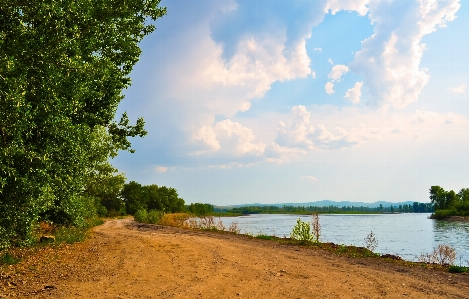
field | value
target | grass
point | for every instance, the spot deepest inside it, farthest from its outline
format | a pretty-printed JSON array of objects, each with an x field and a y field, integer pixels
[
  {"x": 458, "y": 269},
  {"x": 265, "y": 237},
  {"x": 73, "y": 234},
  {"x": 8, "y": 259}
]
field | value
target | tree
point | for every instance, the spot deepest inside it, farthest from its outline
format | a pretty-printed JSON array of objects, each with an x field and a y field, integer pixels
[
  {"x": 464, "y": 195},
  {"x": 451, "y": 199},
  {"x": 63, "y": 65},
  {"x": 438, "y": 198},
  {"x": 201, "y": 209},
  {"x": 135, "y": 197}
]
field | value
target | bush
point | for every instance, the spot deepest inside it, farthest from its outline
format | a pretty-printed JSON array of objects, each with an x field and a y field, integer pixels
[
  {"x": 154, "y": 216},
  {"x": 8, "y": 259},
  {"x": 141, "y": 216},
  {"x": 442, "y": 255},
  {"x": 302, "y": 232},
  {"x": 458, "y": 269}
]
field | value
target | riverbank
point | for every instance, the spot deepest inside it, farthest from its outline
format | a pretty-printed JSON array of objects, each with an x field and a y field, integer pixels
[
  {"x": 130, "y": 260},
  {"x": 451, "y": 218}
]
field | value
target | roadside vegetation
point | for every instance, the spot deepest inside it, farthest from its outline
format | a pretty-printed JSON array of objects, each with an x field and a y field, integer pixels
[
  {"x": 449, "y": 203},
  {"x": 60, "y": 88}
]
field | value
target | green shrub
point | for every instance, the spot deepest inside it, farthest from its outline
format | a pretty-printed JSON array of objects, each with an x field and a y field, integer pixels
[
  {"x": 458, "y": 269},
  {"x": 70, "y": 234},
  {"x": 302, "y": 232},
  {"x": 141, "y": 216},
  {"x": 8, "y": 259},
  {"x": 154, "y": 216},
  {"x": 265, "y": 237},
  {"x": 73, "y": 234}
]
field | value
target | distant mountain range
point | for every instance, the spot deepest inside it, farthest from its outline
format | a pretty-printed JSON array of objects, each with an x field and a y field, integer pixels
[{"x": 324, "y": 203}]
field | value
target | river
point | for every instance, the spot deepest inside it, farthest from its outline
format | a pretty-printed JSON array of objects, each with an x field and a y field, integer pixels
[{"x": 406, "y": 235}]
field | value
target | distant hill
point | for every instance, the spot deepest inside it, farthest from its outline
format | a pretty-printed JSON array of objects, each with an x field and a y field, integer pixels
[{"x": 325, "y": 203}]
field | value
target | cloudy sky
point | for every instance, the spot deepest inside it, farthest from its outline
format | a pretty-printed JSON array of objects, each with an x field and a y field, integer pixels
[{"x": 298, "y": 101}]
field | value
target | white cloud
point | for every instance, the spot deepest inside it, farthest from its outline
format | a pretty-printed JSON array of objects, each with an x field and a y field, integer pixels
[
  {"x": 360, "y": 6},
  {"x": 309, "y": 178},
  {"x": 354, "y": 94},
  {"x": 329, "y": 87},
  {"x": 313, "y": 74},
  {"x": 459, "y": 89},
  {"x": 299, "y": 133},
  {"x": 161, "y": 169},
  {"x": 330, "y": 61},
  {"x": 229, "y": 138},
  {"x": 317, "y": 49},
  {"x": 390, "y": 59},
  {"x": 208, "y": 136},
  {"x": 337, "y": 72}
]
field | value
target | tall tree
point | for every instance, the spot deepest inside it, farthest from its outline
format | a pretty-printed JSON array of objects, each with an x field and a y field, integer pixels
[
  {"x": 63, "y": 65},
  {"x": 438, "y": 198}
]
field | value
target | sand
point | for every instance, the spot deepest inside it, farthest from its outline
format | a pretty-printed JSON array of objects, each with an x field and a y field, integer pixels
[{"x": 125, "y": 259}]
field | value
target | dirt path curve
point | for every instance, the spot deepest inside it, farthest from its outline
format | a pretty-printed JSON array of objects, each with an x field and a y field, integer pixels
[{"x": 124, "y": 259}]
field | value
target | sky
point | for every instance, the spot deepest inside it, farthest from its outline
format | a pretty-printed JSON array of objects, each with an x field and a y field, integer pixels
[{"x": 299, "y": 101}]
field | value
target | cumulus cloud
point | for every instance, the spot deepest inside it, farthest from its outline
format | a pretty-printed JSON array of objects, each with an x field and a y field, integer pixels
[
  {"x": 299, "y": 133},
  {"x": 354, "y": 94},
  {"x": 330, "y": 61},
  {"x": 313, "y": 74},
  {"x": 309, "y": 178},
  {"x": 459, "y": 89},
  {"x": 329, "y": 87},
  {"x": 360, "y": 6},
  {"x": 229, "y": 138},
  {"x": 389, "y": 60},
  {"x": 337, "y": 72}
]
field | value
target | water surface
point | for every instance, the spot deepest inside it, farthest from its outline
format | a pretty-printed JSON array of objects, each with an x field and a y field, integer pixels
[{"x": 406, "y": 235}]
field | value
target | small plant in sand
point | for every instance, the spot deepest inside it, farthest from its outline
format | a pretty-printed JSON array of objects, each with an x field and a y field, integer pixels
[
  {"x": 234, "y": 228},
  {"x": 371, "y": 242},
  {"x": 442, "y": 255},
  {"x": 302, "y": 232},
  {"x": 316, "y": 227},
  {"x": 206, "y": 223}
]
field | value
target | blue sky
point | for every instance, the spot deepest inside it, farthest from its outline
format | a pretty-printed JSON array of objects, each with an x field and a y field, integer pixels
[{"x": 299, "y": 101}]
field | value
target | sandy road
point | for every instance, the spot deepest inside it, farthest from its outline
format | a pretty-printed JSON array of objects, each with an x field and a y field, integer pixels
[{"x": 124, "y": 259}]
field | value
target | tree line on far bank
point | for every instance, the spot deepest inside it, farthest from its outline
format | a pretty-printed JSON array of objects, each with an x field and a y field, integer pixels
[
  {"x": 449, "y": 203},
  {"x": 416, "y": 207}
]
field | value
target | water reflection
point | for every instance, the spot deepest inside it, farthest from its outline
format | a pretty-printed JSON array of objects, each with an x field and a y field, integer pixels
[{"x": 454, "y": 233}]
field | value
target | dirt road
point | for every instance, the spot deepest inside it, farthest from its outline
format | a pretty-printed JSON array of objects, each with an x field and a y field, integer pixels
[{"x": 124, "y": 259}]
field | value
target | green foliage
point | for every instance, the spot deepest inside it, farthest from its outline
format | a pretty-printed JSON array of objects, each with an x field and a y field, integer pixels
[
  {"x": 417, "y": 207},
  {"x": 302, "y": 232},
  {"x": 63, "y": 66},
  {"x": 151, "y": 216},
  {"x": 141, "y": 216},
  {"x": 265, "y": 237},
  {"x": 458, "y": 269},
  {"x": 200, "y": 209},
  {"x": 449, "y": 203},
  {"x": 137, "y": 197},
  {"x": 8, "y": 259},
  {"x": 72, "y": 234},
  {"x": 154, "y": 216}
]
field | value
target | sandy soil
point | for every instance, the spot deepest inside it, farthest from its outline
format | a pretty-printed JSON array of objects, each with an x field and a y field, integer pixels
[{"x": 124, "y": 259}]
